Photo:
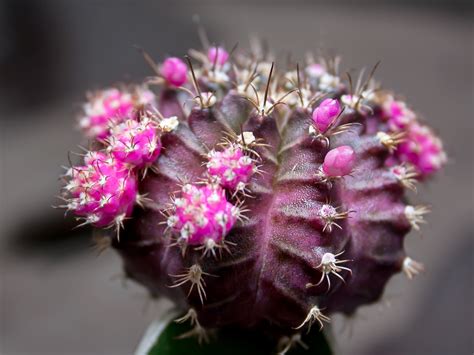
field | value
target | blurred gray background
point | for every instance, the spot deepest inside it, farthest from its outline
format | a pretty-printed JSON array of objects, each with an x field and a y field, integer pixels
[{"x": 58, "y": 297}]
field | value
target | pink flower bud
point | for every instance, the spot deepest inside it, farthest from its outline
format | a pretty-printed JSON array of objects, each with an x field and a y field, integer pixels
[
  {"x": 423, "y": 149},
  {"x": 202, "y": 213},
  {"x": 105, "y": 108},
  {"x": 135, "y": 144},
  {"x": 325, "y": 114},
  {"x": 231, "y": 167},
  {"x": 399, "y": 116},
  {"x": 102, "y": 192},
  {"x": 217, "y": 55},
  {"x": 174, "y": 70},
  {"x": 339, "y": 161}
]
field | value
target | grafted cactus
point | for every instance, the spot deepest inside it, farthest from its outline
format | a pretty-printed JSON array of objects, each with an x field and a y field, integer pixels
[{"x": 269, "y": 199}]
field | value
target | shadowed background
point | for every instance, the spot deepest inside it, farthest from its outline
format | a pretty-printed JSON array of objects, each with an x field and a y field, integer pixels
[{"x": 58, "y": 297}]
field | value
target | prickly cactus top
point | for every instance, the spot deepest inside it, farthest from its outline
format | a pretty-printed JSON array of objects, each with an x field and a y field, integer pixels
[{"x": 268, "y": 197}]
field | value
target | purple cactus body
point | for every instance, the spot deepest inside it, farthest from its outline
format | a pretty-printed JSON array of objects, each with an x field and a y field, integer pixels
[
  {"x": 259, "y": 214},
  {"x": 265, "y": 277}
]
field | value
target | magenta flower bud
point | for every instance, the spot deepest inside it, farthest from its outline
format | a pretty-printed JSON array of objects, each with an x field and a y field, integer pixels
[
  {"x": 201, "y": 214},
  {"x": 105, "y": 107},
  {"x": 325, "y": 114},
  {"x": 422, "y": 149},
  {"x": 218, "y": 55},
  {"x": 102, "y": 192},
  {"x": 339, "y": 161},
  {"x": 230, "y": 167},
  {"x": 398, "y": 115},
  {"x": 174, "y": 71},
  {"x": 134, "y": 143}
]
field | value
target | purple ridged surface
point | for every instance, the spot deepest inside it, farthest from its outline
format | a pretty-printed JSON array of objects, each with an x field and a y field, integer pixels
[{"x": 276, "y": 252}]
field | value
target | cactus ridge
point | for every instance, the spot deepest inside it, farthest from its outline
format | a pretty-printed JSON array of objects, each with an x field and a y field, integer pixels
[{"x": 269, "y": 198}]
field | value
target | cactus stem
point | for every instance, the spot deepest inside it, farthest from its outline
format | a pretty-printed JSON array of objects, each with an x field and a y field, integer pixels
[
  {"x": 314, "y": 315},
  {"x": 411, "y": 268},
  {"x": 194, "y": 275},
  {"x": 243, "y": 191}
]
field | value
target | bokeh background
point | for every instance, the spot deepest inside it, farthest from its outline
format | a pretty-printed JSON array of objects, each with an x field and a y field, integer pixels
[{"x": 58, "y": 297}]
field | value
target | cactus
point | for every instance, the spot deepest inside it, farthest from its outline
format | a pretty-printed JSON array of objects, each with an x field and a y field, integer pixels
[{"x": 268, "y": 199}]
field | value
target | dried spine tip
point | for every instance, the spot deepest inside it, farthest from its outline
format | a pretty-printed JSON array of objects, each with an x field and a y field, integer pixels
[
  {"x": 415, "y": 214},
  {"x": 328, "y": 82},
  {"x": 246, "y": 138},
  {"x": 411, "y": 268},
  {"x": 314, "y": 315},
  {"x": 210, "y": 246},
  {"x": 193, "y": 275},
  {"x": 356, "y": 103},
  {"x": 314, "y": 70},
  {"x": 330, "y": 215},
  {"x": 197, "y": 331},
  {"x": 330, "y": 265},
  {"x": 407, "y": 175},
  {"x": 391, "y": 141},
  {"x": 286, "y": 343},
  {"x": 206, "y": 99},
  {"x": 168, "y": 124}
]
